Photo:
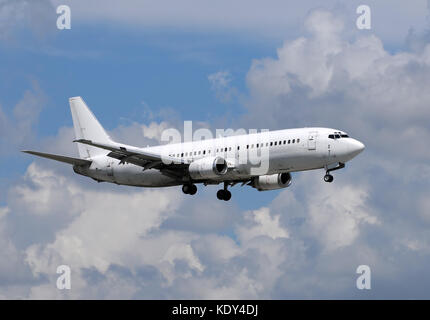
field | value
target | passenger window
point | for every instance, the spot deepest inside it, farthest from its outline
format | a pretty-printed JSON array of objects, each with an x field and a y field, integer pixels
[
  {"x": 294, "y": 140},
  {"x": 182, "y": 155},
  {"x": 199, "y": 152},
  {"x": 204, "y": 151},
  {"x": 298, "y": 140},
  {"x": 271, "y": 143},
  {"x": 225, "y": 149},
  {"x": 257, "y": 145},
  {"x": 289, "y": 141},
  {"x": 238, "y": 147},
  {"x": 247, "y": 146},
  {"x": 229, "y": 149},
  {"x": 285, "y": 141}
]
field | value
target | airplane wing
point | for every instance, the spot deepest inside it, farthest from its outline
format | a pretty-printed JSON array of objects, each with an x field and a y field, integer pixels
[
  {"x": 136, "y": 156},
  {"x": 69, "y": 160}
]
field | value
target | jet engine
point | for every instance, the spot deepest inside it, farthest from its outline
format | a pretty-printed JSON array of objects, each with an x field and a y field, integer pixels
[
  {"x": 207, "y": 168},
  {"x": 272, "y": 181}
]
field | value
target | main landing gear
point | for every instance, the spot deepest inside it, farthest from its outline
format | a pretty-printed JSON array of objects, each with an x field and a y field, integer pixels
[
  {"x": 189, "y": 189},
  {"x": 328, "y": 177},
  {"x": 224, "y": 194}
]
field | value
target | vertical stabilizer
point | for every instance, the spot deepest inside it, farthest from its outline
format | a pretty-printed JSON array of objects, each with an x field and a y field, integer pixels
[{"x": 87, "y": 127}]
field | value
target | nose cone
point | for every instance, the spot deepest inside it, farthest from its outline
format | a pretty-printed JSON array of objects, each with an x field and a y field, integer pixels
[{"x": 355, "y": 147}]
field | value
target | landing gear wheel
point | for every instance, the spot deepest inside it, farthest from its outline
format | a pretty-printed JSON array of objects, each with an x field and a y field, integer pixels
[
  {"x": 189, "y": 189},
  {"x": 220, "y": 194},
  {"x": 227, "y": 195},
  {"x": 193, "y": 189},
  {"x": 223, "y": 195},
  {"x": 185, "y": 188},
  {"x": 328, "y": 178}
]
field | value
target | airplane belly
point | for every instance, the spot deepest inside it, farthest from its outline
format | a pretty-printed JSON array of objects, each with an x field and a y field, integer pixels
[{"x": 135, "y": 176}]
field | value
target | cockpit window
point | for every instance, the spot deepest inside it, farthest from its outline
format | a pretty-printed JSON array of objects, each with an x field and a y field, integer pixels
[{"x": 338, "y": 135}]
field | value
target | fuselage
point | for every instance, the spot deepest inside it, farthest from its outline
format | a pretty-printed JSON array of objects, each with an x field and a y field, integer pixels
[{"x": 249, "y": 155}]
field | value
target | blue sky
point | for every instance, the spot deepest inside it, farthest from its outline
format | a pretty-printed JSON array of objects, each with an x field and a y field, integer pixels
[{"x": 143, "y": 66}]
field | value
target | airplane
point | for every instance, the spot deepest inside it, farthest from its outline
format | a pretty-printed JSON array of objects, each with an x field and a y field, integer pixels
[{"x": 207, "y": 162}]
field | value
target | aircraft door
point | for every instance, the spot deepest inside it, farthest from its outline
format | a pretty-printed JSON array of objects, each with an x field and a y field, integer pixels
[{"x": 312, "y": 140}]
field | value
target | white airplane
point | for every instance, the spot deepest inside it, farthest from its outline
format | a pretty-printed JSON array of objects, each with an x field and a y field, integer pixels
[{"x": 211, "y": 161}]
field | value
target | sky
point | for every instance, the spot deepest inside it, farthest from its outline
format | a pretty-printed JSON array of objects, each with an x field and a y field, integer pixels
[{"x": 145, "y": 66}]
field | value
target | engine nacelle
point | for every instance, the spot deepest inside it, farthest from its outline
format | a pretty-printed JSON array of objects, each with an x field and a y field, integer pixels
[
  {"x": 207, "y": 168},
  {"x": 272, "y": 181}
]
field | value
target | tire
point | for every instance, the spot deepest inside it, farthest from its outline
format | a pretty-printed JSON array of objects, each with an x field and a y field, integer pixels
[
  {"x": 227, "y": 195},
  {"x": 220, "y": 194},
  {"x": 186, "y": 189},
  {"x": 328, "y": 178},
  {"x": 193, "y": 189}
]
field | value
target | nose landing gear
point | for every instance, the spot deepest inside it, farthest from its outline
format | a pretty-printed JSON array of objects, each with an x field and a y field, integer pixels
[{"x": 328, "y": 177}]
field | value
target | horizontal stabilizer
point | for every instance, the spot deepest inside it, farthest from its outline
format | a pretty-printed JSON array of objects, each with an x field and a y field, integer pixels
[{"x": 69, "y": 160}]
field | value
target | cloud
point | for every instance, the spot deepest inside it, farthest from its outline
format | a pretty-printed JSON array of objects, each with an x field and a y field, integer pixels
[
  {"x": 91, "y": 242},
  {"x": 115, "y": 237},
  {"x": 264, "y": 225},
  {"x": 141, "y": 134},
  {"x": 338, "y": 219},
  {"x": 220, "y": 84},
  {"x": 13, "y": 270},
  {"x": 106, "y": 229},
  {"x": 18, "y": 129},
  {"x": 36, "y": 16}
]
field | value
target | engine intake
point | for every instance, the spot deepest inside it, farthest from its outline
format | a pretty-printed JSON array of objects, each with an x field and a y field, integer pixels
[
  {"x": 272, "y": 181},
  {"x": 207, "y": 168}
]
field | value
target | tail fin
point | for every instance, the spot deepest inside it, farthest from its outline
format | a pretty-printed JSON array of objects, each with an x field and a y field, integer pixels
[{"x": 87, "y": 127}]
